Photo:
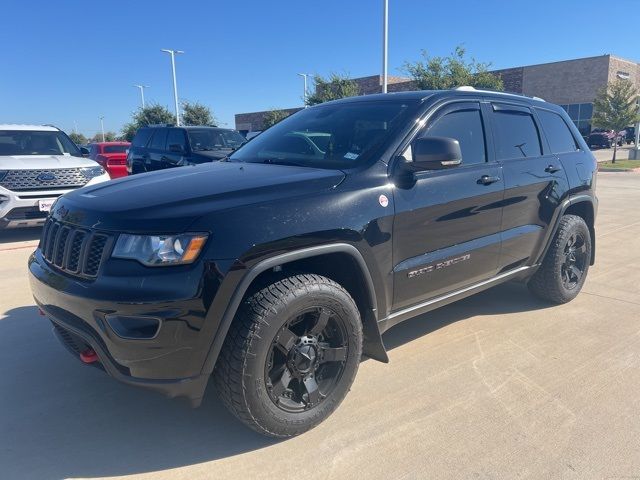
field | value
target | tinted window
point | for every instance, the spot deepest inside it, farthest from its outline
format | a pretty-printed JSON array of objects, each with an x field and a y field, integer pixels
[
  {"x": 466, "y": 127},
  {"x": 176, "y": 137},
  {"x": 159, "y": 139},
  {"x": 115, "y": 148},
  {"x": 142, "y": 137},
  {"x": 558, "y": 134},
  {"x": 351, "y": 133},
  {"x": 515, "y": 134}
]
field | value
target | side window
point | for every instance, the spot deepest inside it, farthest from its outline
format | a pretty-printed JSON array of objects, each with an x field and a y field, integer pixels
[
  {"x": 159, "y": 139},
  {"x": 557, "y": 132},
  {"x": 466, "y": 127},
  {"x": 515, "y": 134},
  {"x": 176, "y": 137},
  {"x": 142, "y": 137}
]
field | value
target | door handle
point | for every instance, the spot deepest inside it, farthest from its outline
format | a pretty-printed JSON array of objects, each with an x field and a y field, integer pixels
[
  {"x": 552, "y": 169},
  {"x": 488, "y": 180}
]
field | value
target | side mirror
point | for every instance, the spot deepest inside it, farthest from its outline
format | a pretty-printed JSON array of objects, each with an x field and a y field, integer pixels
[
  {"x": 175, "y": 147},
  {"x": 434, "y": 153},
  {"x": 84, "y": 151}
]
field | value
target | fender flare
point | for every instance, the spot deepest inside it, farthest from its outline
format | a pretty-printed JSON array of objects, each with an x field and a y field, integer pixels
[
  {"x": 573, "y": 200},
  {"x": 372, "y": 342}
]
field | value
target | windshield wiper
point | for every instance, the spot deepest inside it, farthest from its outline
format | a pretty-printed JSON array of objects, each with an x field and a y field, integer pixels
[{"x": 279, "y": 161}]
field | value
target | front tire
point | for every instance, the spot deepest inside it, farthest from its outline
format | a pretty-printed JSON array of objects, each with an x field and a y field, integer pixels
[
  {"x": 564, "y": 268},
  {"x": 291, "y": 355}
]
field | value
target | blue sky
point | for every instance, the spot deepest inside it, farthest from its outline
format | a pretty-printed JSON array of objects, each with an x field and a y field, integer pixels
[{"x": 72, "y": 61}]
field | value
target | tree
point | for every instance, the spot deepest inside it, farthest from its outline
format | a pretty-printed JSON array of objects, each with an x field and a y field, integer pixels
[
  {"x": 441, "y": 73},
  {"x": 78, "y": 138},
  {"x": 273, "y": 116},
  {"x": 615, "y": 108},
  {"x": 196, "y": 114},
  {"x": 332, "y": 88},
  {"x": 154, "y": 114},
  {"x": 108, "y": 137}
]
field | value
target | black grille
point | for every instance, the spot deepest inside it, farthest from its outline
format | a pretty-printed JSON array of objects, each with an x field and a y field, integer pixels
[
  {"x": 25, "y": 180},
  {"x": 74, "y": 250},
  {"x": 71, "y": 341}
]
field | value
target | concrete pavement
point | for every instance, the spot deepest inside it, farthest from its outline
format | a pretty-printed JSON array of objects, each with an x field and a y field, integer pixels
[{"x": 498, "y": 386}]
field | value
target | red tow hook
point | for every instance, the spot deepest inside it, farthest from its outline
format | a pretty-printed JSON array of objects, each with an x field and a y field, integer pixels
[{"x": 89, "y": 356}]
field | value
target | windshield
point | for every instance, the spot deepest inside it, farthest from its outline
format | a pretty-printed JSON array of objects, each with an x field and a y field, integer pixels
[
  {"x": 115, "y": 148},
  {"x": 214, "y": 139},
  {"x": 27, "y": 142},
  {"x": 340, "y": 135}
]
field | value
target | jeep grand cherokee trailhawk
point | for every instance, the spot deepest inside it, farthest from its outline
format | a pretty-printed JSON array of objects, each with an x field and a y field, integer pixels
[{"x": 274, "y": 271}]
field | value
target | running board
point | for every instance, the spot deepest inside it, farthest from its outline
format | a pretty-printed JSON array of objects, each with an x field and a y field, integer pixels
[{"x": 400, "y": 315}]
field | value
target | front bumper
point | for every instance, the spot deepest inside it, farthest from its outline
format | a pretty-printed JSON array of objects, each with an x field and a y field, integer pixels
[
  {"x": 170, "y": 362},
  {"x": 20, "y": 209}
]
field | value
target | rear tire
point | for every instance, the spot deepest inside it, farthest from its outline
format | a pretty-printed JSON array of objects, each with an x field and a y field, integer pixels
[
  {"x": 564, "y": 268},
  {"x": 290, "y": 356}
]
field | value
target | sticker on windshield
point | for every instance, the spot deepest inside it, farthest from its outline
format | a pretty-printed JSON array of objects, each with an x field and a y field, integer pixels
[{"x": 350, "y": 156}]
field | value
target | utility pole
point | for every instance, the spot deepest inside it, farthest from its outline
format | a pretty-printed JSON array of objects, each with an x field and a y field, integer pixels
[
  {"x": 304, "y": 95},
  {"x": 385, "y": 43},
  {"x": 173, "y": 54},
  {"x": 102, "y": 126},
  {"x": 142, "y": 87}
]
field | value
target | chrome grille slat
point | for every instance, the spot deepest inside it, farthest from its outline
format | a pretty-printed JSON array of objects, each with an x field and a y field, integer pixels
[
  {"x": 76, "y": 251},
  {"x": 25, "y": 180}
]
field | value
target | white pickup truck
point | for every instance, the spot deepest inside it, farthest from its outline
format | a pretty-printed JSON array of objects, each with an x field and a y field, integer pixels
[{"x": 38, "y": 164}]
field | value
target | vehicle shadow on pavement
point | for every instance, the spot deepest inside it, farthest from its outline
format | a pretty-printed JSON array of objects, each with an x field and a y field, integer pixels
[
  {"x": 61, "y": 419},
  {"x": 509, "y": 297},
  {"x": 20, "y": 235}
]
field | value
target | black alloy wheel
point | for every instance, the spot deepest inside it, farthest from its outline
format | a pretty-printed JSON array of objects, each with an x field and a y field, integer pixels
[
  {"x": 575, "y": 261},
  {"x": 306, "y": 360}
]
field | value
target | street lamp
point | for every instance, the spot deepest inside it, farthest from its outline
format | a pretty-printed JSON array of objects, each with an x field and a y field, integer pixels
[
  {"x": 102, "y": 126},
  {"x": 142, "y": 87},
  {"x": 173, "y": 54},
  {"x": 304, "y": 95},
  {"x": 385, "y": 43}
]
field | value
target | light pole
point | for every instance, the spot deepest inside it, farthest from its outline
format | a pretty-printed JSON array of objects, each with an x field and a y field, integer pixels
[
  {"x": 102, "y": 126},
  {"x": 173, "y": 54},
  {"x": 385, "y": 43},
  {"x": 304, "y": 95},
  {"x": 142, "y": 87}
]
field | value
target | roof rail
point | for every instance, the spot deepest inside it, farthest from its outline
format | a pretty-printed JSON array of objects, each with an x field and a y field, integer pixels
[
  {"x": 158, "y": 125},
  {"x": 468, "y": 88}
]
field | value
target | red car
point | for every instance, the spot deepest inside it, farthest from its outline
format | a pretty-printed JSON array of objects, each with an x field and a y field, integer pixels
[{"x": 112, "y": 156}]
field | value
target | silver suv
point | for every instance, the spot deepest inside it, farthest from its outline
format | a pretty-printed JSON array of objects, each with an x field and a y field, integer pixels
[{"x": 38, "y": 164}]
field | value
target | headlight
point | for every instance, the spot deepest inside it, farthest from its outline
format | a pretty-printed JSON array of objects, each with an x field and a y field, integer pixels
[
  {"x": 159, "y": 250},
  {"x": 91, "y": 172}
]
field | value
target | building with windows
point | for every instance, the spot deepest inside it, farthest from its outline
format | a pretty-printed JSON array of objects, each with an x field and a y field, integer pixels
[{"x": 573, "y": 84}]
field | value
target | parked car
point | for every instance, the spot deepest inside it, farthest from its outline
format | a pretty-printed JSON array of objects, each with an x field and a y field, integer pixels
[
  {"x": 39, "y": 163},
  {"x": 160, "y": 147},
  {"x": 274, "y": 272},
  {"x": 605, "y": 138},
  {"x": 630, "y": 135},
  {"x": 112, "y": 156}
]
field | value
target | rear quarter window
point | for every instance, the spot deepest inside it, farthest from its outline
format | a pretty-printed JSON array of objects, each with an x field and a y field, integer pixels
[{"x": 557, "y": 131}]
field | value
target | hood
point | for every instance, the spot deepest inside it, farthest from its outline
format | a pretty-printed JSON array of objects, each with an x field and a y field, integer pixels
[
  {"x": 43, "y": 162},
  {"x": 171, "y": 200}
]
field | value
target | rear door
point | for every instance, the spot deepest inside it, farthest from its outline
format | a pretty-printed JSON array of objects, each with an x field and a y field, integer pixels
[
  {"x": 446, "y": 232},
  {"x": 533, "y": 177},
  {"x": 157, "y": 149}
]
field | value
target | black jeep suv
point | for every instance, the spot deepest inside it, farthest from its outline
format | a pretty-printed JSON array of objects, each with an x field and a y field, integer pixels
[
  {"x": 165, "y": 146},
  {"x": 275, "y": 271}
]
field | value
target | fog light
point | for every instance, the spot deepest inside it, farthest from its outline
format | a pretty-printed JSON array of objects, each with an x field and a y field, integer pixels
[{"x": 134, "y": 328}]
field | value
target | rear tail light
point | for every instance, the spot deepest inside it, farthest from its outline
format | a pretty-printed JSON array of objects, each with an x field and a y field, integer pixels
[{"x": 116, "y": 161}]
